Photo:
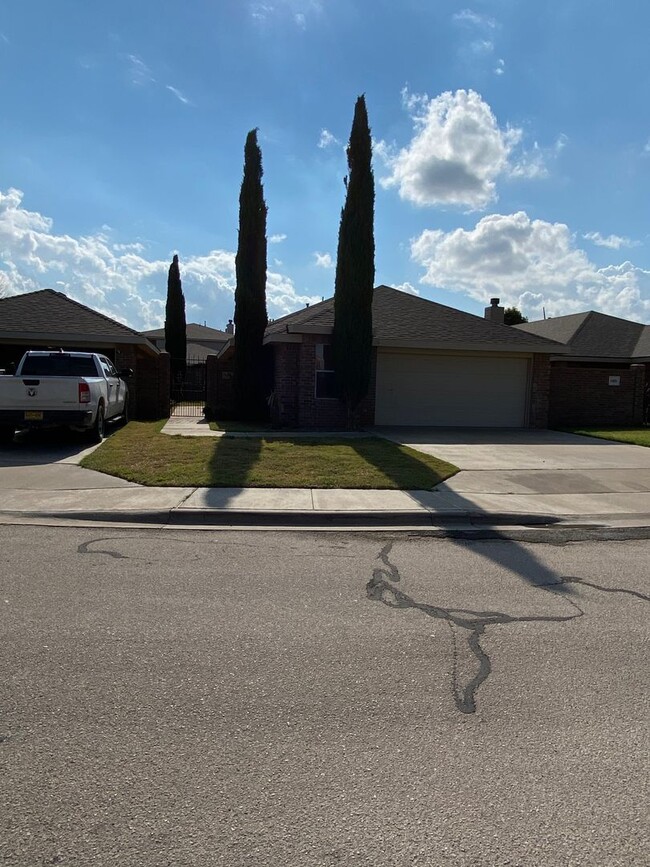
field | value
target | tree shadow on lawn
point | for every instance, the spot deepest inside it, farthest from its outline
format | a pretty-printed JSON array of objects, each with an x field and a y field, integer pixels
[
  {"x": 403, "y": 471},
  {"x": 233, "y": 459}
]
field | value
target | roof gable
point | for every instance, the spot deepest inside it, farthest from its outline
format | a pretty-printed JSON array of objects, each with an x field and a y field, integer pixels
[
  {"x": 595, "y": 335},
  {"x": 402, "y": 319},
  {"x": 560, "y": 328},
  {"x": 53, "y": 313},
  {"x": 193, "y": 331}
]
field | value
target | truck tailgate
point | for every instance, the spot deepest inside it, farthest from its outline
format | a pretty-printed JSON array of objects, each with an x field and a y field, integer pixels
[{"x": 39, "y": 392}]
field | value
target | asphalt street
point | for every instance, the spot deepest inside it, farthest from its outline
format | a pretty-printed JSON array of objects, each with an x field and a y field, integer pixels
[{"x": 263, "y": 698}]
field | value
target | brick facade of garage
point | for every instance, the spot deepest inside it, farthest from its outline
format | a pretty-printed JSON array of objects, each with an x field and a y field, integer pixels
[
  {"x": 539, "y": 391},
  {"x": 298, "y": 406},
  {"x": 295, "y": 389}
]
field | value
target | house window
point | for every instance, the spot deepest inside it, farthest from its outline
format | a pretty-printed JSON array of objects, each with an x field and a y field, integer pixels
[{"x": 325, "y": 379}]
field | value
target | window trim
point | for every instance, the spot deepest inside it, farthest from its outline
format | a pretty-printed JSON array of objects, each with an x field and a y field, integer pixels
[{"x": 317, "y": 370}]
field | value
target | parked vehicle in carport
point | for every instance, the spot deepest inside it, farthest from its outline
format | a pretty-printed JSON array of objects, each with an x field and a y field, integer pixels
[{"x": 78, "y": 390}]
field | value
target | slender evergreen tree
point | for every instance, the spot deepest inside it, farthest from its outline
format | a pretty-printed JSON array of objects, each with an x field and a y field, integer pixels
[
  {"x": 355, "y": 270},
  {"x": 175, "y": 334},
  {"x": 250, "y": 292}
]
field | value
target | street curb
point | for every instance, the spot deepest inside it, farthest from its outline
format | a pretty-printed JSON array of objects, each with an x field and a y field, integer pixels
[{"x": 312, "y": 518}]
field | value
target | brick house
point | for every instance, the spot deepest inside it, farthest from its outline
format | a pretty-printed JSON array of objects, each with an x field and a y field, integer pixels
[
  {"x": 431, "y": 365},
  {"x": 51, "y": 320},
  {"x": 603, "y": 379}
]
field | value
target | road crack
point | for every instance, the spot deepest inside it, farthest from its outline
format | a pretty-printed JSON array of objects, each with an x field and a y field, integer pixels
[
  {"x": 472, "y": 624},
  {"x": 84, "y": 548},
  {"x": 390, "y": 572},
  {"x": 572, "y": 580}
]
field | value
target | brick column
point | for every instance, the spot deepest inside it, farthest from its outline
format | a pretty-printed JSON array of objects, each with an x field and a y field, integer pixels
[
  {"x": 540, "y": 391},
  {"x": 287, "y": 359},
  {"x": 639, "y": 384},
  {"x": 164, "y": 385}
]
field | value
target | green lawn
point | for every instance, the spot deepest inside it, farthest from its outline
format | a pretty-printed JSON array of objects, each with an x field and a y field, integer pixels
[
  {"x": 638, "y": 436},
  {"x": 140, "y": 453}
]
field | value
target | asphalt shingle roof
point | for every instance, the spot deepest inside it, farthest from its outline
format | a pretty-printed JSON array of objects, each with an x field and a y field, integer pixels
[
  {"x": 193, "y": 332},
  {"x": 594, "y": 335},
  {"x": 50, "y": 312},
  {"x": 399, "y": 317}
]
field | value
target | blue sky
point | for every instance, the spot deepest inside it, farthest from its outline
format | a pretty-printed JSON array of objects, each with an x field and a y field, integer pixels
[{"x": 511, "y": 149}]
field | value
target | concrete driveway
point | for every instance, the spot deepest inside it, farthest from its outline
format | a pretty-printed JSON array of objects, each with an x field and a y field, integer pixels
[
  {"x": 537, "y": 462},
  {"x": 50, "y": 461}
]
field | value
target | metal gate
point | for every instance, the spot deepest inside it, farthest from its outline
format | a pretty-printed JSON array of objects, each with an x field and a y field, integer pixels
[{"x": 188, "y": 388}]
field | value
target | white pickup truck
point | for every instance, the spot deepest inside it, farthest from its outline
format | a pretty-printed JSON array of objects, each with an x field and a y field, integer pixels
[{"x": 79, "y": 390}]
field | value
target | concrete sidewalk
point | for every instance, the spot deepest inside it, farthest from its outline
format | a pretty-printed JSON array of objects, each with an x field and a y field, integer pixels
[
  {"x": 83, "y": 495},
  {"x": 610, "y": 487}
]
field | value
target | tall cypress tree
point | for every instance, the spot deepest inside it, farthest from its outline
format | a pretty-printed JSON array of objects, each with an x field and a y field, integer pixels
[
  {"x": 355, "y": 270},
  {"x": 175, "y": 334},
  {"x": 250, "y": 292}
]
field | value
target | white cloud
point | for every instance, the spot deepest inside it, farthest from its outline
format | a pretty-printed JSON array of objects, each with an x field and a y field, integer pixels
[
  {"x": 261, "y": 11},
  {"x": 456, "y": 154},
  {"x": 531, "y": 164},
  {"x": 468, "y": 16},
  {"x": 277, "y": 239},
  {"x": 614, "y": 242},
  {"x": 500, "y": 68},
  {"x": 476, "y": 46},
  {"x": 323, "y": 260},
  {"x": 179, "y": 96},
  {"x": 138, "y": 71},
  {"x": 531, "y": 264},
  {"x": 298, "y": 10},
  {"x": 327, "y": 138},
  {"x": 118, "y": 279},
  {"x": 482, "y": 46},
  {"x": 407, "y": 287}
]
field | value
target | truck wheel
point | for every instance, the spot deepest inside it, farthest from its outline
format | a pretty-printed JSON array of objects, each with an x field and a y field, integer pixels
[
  {"x": 96, "y": 433},
  {"x": 6, "y": 435}
]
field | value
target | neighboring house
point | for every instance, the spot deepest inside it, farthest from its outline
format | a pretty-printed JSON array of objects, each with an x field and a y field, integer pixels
[
  {"x": 201, "y": 341},
  {"x": 51, "y": 320},
  {"x": 432, "y": 365},
  {"x": 604, "y": 377}
]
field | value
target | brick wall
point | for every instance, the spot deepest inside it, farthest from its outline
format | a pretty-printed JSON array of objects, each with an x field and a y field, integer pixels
[
  {"x": 149, "y": 387},
  {"x": 219, "y": 386},
  {"x": 540, "y": 392},
  {"x": 295, "y": 388},
  {"x": 582, "y": 395},
  {"x": 287, "y": 363}
]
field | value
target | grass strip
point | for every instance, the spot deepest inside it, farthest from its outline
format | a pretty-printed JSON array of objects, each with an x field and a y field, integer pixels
[
  {"x": 140, "y": 453},
  {"x": 637, "y": 436}
]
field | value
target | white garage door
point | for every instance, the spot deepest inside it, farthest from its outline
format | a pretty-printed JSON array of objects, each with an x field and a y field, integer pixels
[{"x": 450, "y": 390}]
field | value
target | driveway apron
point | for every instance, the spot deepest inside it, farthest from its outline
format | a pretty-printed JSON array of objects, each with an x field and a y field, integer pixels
[{"x": 565, "y": 469}]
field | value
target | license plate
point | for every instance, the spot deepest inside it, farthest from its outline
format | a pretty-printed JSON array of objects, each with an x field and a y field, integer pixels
[{"x": 33, "y": 415}]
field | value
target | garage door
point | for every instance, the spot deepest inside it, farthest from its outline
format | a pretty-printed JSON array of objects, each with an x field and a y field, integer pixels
[{"x": 451, "y": 390}]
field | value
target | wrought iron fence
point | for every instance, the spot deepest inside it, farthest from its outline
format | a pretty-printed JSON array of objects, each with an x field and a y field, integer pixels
[{"x": 188, "y": 387}]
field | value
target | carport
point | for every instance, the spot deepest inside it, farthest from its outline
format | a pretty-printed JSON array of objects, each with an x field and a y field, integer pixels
[{"x": 51, "y": 320}]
